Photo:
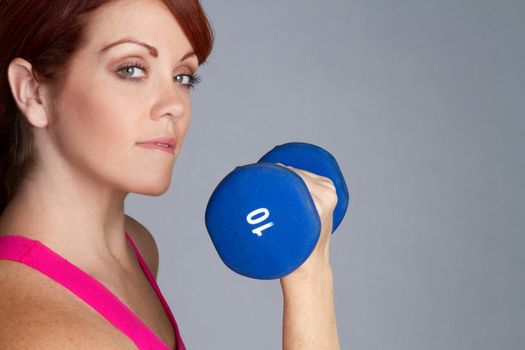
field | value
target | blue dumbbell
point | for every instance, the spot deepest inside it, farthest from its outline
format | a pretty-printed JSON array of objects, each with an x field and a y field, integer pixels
[{"x": 261, "y": 217}]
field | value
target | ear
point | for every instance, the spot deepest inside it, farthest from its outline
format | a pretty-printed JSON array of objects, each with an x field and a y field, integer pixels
[{"x": 27, "y": 92}]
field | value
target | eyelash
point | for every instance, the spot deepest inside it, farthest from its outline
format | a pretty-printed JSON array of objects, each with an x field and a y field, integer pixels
[{"x": 194, "y": 78}]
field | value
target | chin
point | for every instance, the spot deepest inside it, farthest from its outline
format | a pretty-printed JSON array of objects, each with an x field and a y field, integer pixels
[{"x": 152, "y": 188}]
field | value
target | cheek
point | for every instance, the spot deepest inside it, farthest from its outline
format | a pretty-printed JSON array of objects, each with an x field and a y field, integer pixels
[
  {"x": 96, "y": 123},
  {"x": 97, "y": 132}
]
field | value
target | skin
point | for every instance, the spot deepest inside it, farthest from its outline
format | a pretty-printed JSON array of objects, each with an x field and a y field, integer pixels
[
  {"x": 86, "y": 134},
  {"x": 309, "y": 320}
]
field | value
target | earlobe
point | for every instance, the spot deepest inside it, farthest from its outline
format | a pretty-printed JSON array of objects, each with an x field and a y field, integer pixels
[{"x": 26, "y": 92}]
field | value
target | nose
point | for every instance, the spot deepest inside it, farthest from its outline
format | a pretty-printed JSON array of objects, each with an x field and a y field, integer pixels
[{"x": 171, "y": 99}]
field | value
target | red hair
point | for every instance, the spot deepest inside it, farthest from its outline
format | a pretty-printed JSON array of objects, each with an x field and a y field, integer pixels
[{"x": 46, "y": 33}]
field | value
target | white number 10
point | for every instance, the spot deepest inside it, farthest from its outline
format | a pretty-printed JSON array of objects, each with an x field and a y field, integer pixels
[{"x": 254, "y": 221}]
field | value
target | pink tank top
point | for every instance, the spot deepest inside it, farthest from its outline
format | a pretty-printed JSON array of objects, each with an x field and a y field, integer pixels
[{"x": 38, "y": 256}]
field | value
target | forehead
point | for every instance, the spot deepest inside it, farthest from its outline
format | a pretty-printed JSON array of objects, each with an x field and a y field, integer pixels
[{"x": 149, "y": 21}]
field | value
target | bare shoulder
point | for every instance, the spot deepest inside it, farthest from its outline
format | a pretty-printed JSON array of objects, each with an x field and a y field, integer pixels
[
  {"x": 145, "y": 243},
  {"x": 35, "y": 313},
  {"x": 46, "y": 334}
]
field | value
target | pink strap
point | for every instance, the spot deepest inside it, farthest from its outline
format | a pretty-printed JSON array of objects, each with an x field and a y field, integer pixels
[
  {"x": 178, "y": 340},
  {"x": 38, "y": 256}
]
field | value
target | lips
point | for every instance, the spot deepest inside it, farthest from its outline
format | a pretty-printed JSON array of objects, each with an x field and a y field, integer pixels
[
  {"x": 166, "y": 144},
  {"x": 162, "y": 141}
]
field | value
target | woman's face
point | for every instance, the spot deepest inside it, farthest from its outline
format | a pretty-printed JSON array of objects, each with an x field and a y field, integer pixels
[{"x": 105, "y": 109}]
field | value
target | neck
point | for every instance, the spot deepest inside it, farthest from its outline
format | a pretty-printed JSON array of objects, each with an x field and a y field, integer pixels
[{"x": 78, "y": 217}]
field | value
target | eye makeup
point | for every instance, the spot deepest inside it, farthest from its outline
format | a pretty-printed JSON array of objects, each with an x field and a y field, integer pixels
[{"x": 192, "y": 79}]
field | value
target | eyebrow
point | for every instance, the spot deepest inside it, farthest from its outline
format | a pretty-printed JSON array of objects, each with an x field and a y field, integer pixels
[{"x": 152, "y": 50}]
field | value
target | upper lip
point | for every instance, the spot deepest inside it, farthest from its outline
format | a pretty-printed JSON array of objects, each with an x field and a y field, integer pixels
[{"x": 167, "y": 140}]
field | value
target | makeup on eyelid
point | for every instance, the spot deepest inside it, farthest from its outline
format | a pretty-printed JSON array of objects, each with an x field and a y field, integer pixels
[{"x": 194, "y": 79}]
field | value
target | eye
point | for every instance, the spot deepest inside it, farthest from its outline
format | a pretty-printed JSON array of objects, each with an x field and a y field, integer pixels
[
  {"x": 188, "y": 80},
  {"x": 130, "y": 69}
]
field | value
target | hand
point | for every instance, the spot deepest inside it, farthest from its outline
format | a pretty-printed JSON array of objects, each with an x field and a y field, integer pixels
[{"x": 324, "y": 195}]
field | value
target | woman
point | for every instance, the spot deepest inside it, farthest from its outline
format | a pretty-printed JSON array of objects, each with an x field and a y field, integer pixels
[{"x": 85, "y": 86}]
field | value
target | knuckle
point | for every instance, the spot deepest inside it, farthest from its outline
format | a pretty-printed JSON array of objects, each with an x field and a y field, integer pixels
[
  {"x": 330, "y": 198},
  {"x": 325, "y": 197},
  {"x": 328, "y": 181}
]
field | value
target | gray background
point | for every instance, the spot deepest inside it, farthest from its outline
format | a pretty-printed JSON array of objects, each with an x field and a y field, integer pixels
[{"x": 422, "y": 103}]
